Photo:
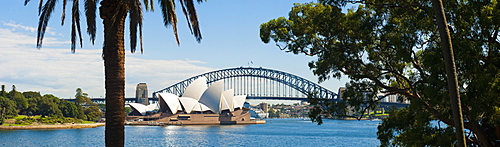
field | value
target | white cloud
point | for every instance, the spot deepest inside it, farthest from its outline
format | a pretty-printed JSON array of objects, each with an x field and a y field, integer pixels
[
  {"x": 15, "y": 26},
  {"x": 60, "y": 72}
]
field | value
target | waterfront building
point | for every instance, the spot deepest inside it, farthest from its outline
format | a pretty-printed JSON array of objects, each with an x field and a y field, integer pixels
[
  {"x": 141, "y": 93},
  {"x": 341, "y": 92},
  {"x": 198, "y": 98},
  {"x": 139, "y": 109},
  {"x": 264, "y": 106},
  {"x": 199, "y": 104}
]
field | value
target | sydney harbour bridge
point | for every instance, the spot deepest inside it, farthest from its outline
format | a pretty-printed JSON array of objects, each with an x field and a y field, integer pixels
[{"x": 256, "y": 83}]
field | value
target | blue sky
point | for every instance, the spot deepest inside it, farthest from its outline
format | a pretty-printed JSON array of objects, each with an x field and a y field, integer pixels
[{"x": 230, "y": 32}]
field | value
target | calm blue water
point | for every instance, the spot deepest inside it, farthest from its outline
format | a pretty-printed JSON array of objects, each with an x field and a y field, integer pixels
[{"x": 277, "y": 132}]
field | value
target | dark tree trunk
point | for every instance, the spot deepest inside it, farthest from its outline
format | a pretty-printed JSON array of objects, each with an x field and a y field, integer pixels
[
  {"x": 451, "y": 72},
  {"x": 113, "y": 13}
]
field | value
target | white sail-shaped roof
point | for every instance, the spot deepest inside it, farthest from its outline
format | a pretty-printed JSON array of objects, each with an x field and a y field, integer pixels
[
  {"x": 152, "y": 107},
  {"x": 199, "y": 97},
  {"x": 141, "y": 108},
  {"x": 196, "y": 88},
  {"x": 172, "y": 101},
  {"x": 223, "y": 104},
  {"x": 227, "y": 100},
  {"x": 189, "y": 103},
  {"x": 238, "y": 101},
  {"x": 200, "y": 107},
  {"x": 212, "y": 96},
  {"x": 204, "y": 107}
]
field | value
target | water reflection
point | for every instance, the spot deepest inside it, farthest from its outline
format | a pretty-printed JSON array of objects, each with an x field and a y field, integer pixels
[{"x": 279, "y": 132}]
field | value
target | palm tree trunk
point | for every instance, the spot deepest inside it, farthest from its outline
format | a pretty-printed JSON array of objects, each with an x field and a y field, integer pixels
[
  {"x": 451, "y": 72},
  {"x": 113, "y": 13}
]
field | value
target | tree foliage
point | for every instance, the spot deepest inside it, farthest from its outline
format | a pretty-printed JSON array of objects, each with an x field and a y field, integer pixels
[
  {"x": 69, "y": 109},
  {"x": 19, "y": 99},
  {"x": 393, "y": 47},
  {"x": 82, "y": 98},
  {"x": 3, "y": 92},
  {"x": 133, "y": 7},
  {"x": 7, "y": 107},
  {"x": 93, "y": 113},
  {"x": 47, "y": 105},
  {"x": 31, "y": 94}
]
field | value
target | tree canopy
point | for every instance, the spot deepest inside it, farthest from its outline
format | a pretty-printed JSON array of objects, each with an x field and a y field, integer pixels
[
  {"x": 82, "y": 98},
  {"x": 46, "y": 105},
  {"x": 393, "y": 48}
]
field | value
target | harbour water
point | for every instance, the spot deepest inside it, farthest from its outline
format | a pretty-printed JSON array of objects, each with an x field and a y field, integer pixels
[{"x": 276, "y": 132}]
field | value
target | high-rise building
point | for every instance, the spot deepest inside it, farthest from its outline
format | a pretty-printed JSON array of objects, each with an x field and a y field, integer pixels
[
  {"x": 264, "y": 107},
  {"x": 341, "y": 92},
  {"x": 141, "y": 93}
]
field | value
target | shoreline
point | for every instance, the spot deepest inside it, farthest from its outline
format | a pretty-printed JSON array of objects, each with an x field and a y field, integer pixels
[
  {"x": 47, "y": 127},
  {"x": 181, "y": 123}
]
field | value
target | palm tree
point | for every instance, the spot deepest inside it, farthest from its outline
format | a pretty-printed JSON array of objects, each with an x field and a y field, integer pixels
[{"x": 113, "y": 13}]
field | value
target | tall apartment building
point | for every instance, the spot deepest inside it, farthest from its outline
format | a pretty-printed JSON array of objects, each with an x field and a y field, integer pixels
[
  {"x": 141, "y": 93},
  {"x": 264, "y": 107},
  {"x": 341, "y": 92}
]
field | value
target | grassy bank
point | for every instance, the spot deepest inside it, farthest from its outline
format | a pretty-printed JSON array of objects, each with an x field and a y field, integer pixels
[
  {"x": 24, "y": 122},
  {"x": 56, "y": 126}
]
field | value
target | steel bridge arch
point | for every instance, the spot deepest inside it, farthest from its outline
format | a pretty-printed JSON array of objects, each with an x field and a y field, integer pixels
[{"x": 300, "y": 84}]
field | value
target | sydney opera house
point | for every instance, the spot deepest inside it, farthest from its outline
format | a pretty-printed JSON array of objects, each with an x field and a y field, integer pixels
[{"x": 199, "y": 104}]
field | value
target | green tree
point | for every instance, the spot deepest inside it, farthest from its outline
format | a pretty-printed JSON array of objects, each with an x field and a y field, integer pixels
[
  {"x": 113, "y": 13},
  {"x": 33, "y": 104},
  {"x": 69, "y": 109},
  {"x": 19, "y": 99},
  {"x": 3, "y": 92},
  {"x": 128, "y": 110},
  {"x": 33, "y": 99},
  {"x": 81, "y": 113},
  {"x": 394, "y": 47},
  {"x": 93, "y": 113},
  {"x": 49, "y": 106},
  {"x": 7, "y": 108},
  {"x": 82, "y": 98},
  {"x": 31, "y": 94}
]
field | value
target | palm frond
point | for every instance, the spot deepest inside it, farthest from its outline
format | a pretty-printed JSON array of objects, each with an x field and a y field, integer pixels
[
  {"x": 193, "y": 18},
  {"x": 75, "y": 25},
  {"x": 40, "y": 6},
  {"x": 149, "y": 5},
  {"x": 63, "y": 15},
  {"x": 186, "y": 15},
  {"x": 135, "y": 21},
  {"x": 26, "y": 2},
  {"x": 90, "y": 13},
  {"x": 45, "y": 13},
  {"x": 169, "y": 16}
]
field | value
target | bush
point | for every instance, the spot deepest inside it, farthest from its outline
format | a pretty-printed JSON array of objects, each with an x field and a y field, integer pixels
[
  {"x": 24, "y": 120},
  {"x": 29, "y": 120}
]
